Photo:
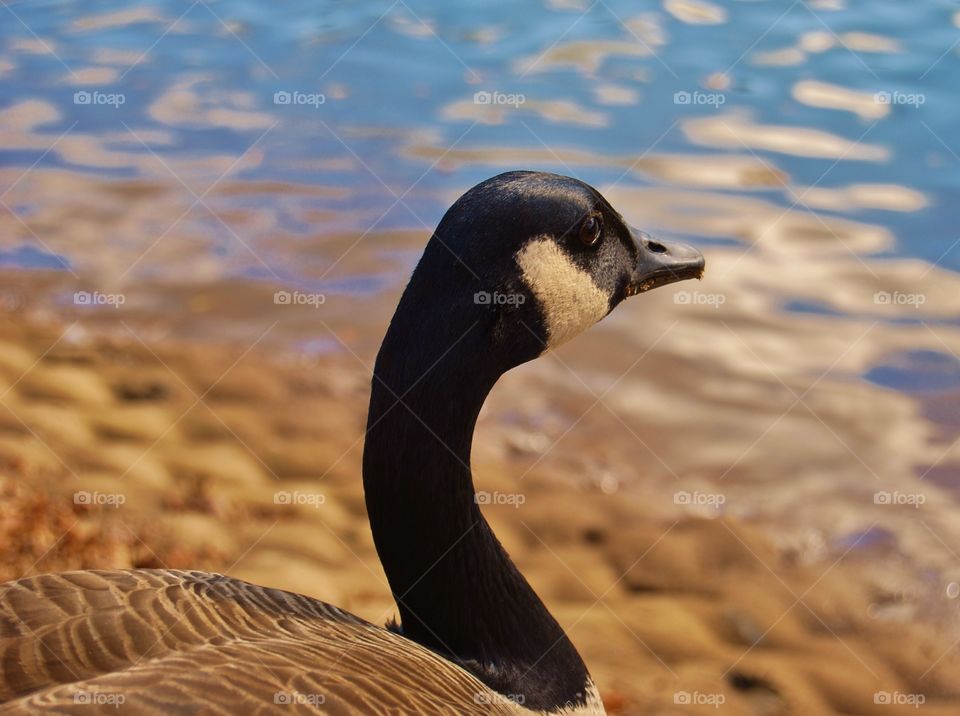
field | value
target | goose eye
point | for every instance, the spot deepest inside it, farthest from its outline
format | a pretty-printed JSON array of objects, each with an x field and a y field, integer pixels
[{"x": 590, "y": 231}]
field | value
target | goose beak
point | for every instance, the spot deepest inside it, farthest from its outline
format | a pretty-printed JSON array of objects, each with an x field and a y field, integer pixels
[{"x": 660, "y": 263}]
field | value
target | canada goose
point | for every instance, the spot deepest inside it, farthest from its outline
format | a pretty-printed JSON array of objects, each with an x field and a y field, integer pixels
[{"x": 518, "y": 265}]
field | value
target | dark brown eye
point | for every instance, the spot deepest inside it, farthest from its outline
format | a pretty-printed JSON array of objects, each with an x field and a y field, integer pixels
[{"x": 590, "y": 230}]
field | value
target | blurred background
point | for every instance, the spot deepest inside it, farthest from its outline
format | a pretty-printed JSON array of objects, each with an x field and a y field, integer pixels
[{"x": 740, "y": 494}]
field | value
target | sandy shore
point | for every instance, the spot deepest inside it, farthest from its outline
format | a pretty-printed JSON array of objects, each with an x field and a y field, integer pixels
[{"x": 119, "y": 452}]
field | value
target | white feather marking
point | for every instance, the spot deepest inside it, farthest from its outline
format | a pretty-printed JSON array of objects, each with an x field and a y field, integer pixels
[
  {"x": 570, "y": 299},
  {"x": 593, "y": 706}
]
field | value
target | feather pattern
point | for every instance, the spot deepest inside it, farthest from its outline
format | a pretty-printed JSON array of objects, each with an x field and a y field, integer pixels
[{"x": 160, "y": 641}]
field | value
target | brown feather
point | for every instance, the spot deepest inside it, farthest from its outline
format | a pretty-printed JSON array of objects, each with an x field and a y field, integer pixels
[{"x": 164, "y": 641}]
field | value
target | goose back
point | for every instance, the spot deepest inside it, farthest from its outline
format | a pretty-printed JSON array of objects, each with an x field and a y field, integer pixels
[{"x": 207, "y": 643}]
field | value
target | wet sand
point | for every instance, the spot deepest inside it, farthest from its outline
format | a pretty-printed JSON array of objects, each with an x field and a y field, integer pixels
[{"x": 244, "y": 459}]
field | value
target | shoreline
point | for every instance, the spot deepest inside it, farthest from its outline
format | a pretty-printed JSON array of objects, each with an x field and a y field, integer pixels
[
  {"x": 648, "y": 383},
  {"x": 260, "y": 480}
]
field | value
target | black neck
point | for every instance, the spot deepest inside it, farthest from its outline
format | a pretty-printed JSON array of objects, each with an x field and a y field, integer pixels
[{"x": 456, "y": 588}]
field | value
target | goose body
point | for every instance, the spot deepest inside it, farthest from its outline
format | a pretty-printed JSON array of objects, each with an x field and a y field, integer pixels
[
  {"x": 165, "y": 641},
  {"x": 519, "y": 264}
]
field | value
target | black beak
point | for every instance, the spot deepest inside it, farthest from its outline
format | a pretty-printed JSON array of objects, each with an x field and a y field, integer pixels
[{"x": 661, "y": 262}]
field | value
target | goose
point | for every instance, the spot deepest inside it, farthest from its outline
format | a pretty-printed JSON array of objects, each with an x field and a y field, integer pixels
[{"x": 520, "y": 264}]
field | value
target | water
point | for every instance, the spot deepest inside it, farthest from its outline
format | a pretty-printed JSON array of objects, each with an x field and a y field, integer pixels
[
  {"x": 398, "y": 132},
  {"x": 918, "y": 371},
  {"x": 809, "y": 147}
]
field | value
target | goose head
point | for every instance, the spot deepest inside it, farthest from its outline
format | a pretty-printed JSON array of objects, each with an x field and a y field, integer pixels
[{"x": 535, "y": 259}]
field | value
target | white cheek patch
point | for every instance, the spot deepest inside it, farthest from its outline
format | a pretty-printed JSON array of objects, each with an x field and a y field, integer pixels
[{"x": 570, "y": 299}]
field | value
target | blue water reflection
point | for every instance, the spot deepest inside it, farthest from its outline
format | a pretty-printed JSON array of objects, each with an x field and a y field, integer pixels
[{"x": 600, "y": 82}]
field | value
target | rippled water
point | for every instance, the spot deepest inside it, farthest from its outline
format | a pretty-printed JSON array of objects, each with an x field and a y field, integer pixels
[
  {"x": 810, "y": 147},
  {"x": 847, "y": 108}
]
